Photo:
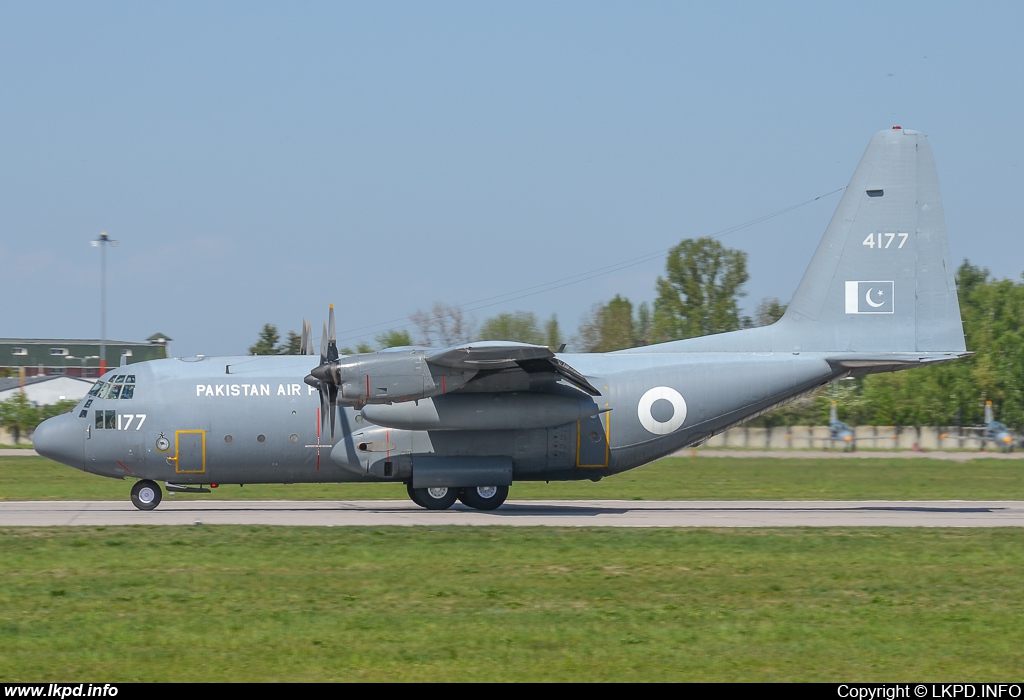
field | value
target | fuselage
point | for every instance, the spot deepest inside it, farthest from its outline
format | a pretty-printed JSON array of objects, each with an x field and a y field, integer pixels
[{"x": 253, "y": 420}]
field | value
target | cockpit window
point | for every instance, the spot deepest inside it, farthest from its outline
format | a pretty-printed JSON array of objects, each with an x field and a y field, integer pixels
[{"x": 121, "y": 386}]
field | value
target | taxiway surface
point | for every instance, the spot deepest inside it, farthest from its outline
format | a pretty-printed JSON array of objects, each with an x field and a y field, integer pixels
[{"x": 525, "y": 513}]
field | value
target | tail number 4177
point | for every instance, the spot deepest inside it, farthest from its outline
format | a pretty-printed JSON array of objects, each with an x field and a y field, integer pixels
[{"x": 885, "y": 240}]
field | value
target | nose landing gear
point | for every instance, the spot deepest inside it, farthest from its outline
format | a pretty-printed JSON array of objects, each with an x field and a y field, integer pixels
[{"x": 146, "y": 495}]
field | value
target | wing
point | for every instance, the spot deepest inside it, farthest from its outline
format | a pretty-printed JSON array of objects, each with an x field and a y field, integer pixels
[{"x": 491, "y": 357}]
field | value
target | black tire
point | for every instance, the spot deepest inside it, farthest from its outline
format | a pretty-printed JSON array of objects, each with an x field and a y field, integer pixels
[
  {"x": 440, "y": 498},
  {"x": 484, "y": 497},
  {"x": 414, "y": 495},
  {"x": 146, "y": 495}
]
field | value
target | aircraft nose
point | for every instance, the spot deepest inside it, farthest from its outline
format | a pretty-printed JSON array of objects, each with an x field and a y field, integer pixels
[{"x": 62, "y": 439}]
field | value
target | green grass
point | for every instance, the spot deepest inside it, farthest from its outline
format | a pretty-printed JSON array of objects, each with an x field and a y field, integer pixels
[
  {"x": 35, "y": 478},
  {"x": 510, "y": 604}
]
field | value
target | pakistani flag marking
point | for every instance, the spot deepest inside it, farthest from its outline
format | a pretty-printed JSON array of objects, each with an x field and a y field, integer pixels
[{"x": 870, "y": 297}]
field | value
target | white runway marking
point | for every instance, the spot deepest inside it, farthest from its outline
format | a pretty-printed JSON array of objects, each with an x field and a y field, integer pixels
[{"x": 525, "y": 513}]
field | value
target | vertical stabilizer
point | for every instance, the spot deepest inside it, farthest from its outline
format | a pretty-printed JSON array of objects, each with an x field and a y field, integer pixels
[{"x": 881, "y": 279}]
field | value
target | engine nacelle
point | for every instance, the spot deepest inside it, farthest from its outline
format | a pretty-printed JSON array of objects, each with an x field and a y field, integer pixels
[
  {"x": 483, "y": 412},
  {"x": 389, "y": 377}
]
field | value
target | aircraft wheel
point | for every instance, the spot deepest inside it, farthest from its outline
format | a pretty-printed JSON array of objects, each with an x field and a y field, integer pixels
[
  {"x": 484, "y": 497},
  {"x": 146, "y": 495},
  {"x": 414, "y": 495},
  {"x": 437, "y": 498}
]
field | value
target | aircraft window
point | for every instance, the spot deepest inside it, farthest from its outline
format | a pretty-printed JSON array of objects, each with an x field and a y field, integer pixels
[
  {"x": 130, "y": 379},
  {"x": 83, "y": 414},
  {"x": 99, "y": 420},
  {"x": 128, "y": 391},
  {"x": 876, "y": 193},
  {"x": 88, "y": 403},
  {"x": 115, "y": 391},
  {"x": 119, "y": 378},
  {"x": 105, "y": 391},
  {"x": 261, "y": 438},
  {"x": 228, "y": 438},
  {"x": 110, "y": 420},
  {"x": 96, "y": 388}
]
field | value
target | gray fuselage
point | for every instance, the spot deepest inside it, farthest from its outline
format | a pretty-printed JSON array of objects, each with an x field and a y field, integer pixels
[{"x": 253, "y": 420}]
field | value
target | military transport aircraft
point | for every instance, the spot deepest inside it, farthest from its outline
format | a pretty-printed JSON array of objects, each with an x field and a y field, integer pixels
[{"x": 465, "y": 422}]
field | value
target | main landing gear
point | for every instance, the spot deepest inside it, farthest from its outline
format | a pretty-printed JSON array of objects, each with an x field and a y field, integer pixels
[
  {"x": 443, "y": 497},
  {"x": 146, "y": 494}
]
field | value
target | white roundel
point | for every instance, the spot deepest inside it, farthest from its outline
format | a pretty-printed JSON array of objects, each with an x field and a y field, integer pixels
[{"x": 647, "y": 401}]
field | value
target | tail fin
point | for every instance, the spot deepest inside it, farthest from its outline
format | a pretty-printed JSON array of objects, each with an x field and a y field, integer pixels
[{"x": 881, "y": 279}]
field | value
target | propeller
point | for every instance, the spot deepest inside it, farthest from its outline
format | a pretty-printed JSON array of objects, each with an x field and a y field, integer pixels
[{"x": 325, "y": 376}]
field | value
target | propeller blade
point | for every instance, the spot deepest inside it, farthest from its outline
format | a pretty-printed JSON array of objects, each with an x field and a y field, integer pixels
[
  {"x": 324, "y": 406},
  {"x": 309, "y": 338},
  {"x": 323, "y": 346},
  {"x": 332, "y": 390},
  {"x": 332, "y": 338},
  {"x": 304, "y": 345}
]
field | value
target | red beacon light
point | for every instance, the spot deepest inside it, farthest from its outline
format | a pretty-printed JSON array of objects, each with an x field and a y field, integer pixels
[{"x": 896, "y": 127}]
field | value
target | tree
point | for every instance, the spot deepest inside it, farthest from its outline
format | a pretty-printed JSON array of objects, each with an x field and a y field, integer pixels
[
  {"x": 394, "y": 339},
  {"x": 611, "y": 326},
  {"x": 443, "y": 325},
  {"x": 267, "y": 343},
  {"x": 361, "y": 347},
  {"x": 520, "y": 327},
  {"x": 552, "y": 334},
  {"x": 769, "y": 311},
  {"x": 19, "y": 415},
  {"x": 292, "y": 345},
  {"x": 700, "y": 292}
]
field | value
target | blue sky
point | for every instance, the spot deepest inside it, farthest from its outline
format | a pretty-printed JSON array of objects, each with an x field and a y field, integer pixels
[{"x": 258, "y": 161}]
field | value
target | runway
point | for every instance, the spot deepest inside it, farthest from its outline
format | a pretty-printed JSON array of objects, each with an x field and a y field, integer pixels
[{"x": 674, "y": 514}]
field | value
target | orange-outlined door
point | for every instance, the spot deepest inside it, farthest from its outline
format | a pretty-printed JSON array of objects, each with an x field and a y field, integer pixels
[{"x": 189, "y": 451}]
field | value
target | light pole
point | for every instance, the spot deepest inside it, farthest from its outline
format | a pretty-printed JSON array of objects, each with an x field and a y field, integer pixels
[{"x": 99, "y": 243}]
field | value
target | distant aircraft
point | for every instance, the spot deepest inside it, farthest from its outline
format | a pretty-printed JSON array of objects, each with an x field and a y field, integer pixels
[
  {"x": 995, "y": 432},
  {"x": 463, "y": 423},
  {"x": 840, "y": 432}
]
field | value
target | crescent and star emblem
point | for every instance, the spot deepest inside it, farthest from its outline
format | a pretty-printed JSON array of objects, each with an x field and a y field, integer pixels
[{"x": 867, "y": 298}]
